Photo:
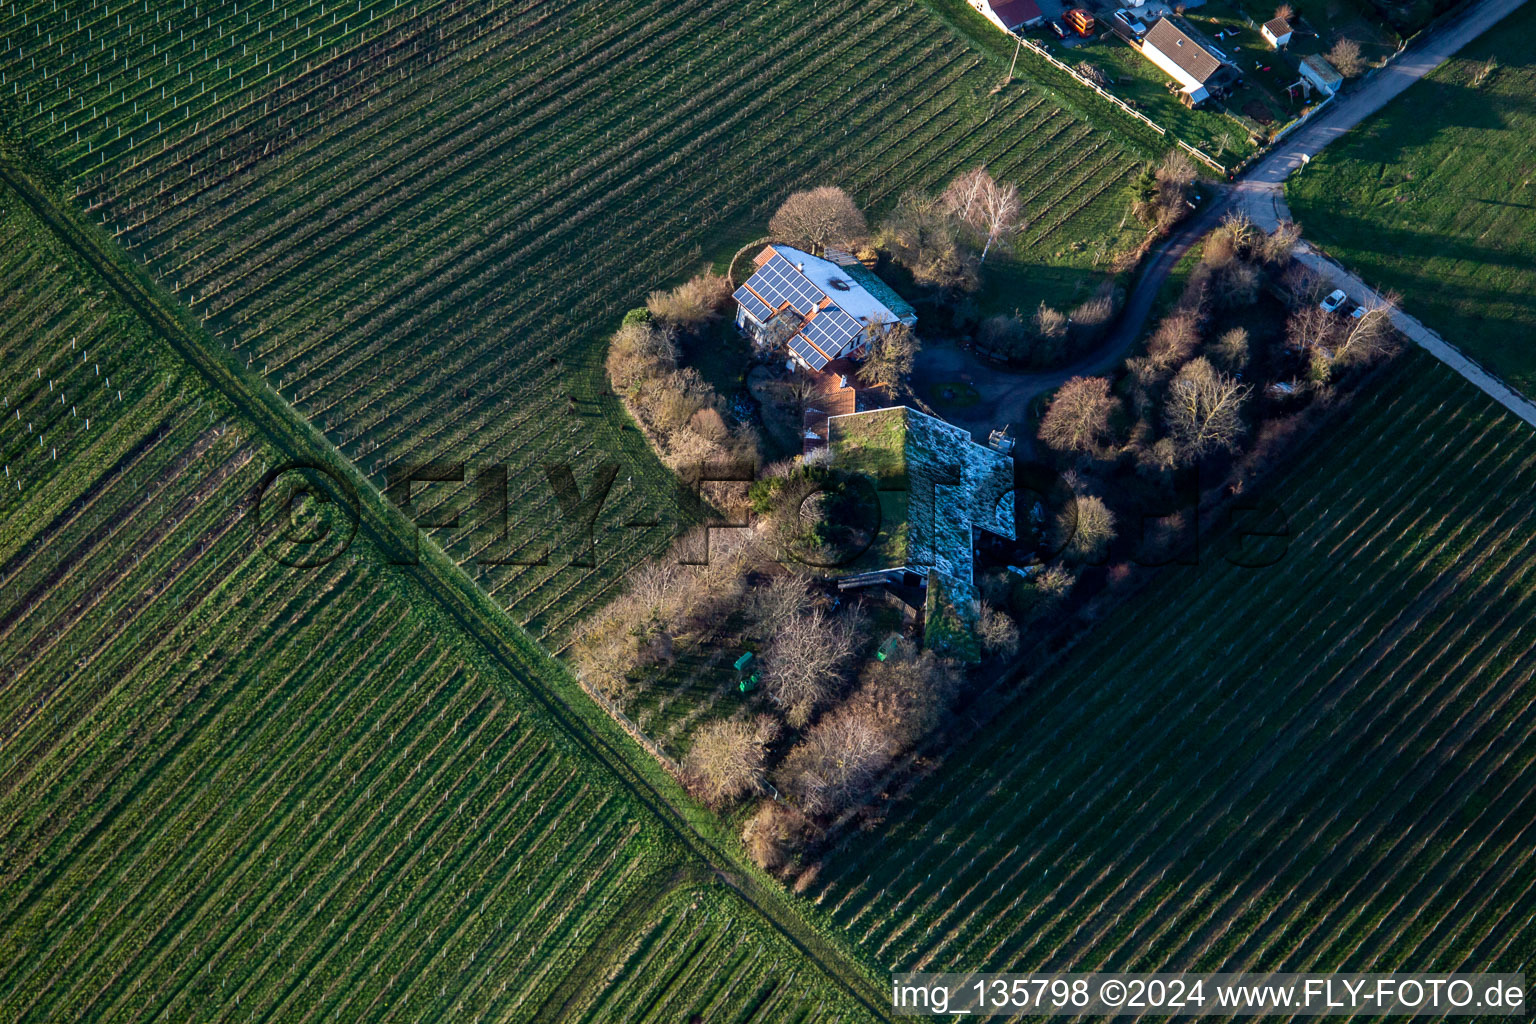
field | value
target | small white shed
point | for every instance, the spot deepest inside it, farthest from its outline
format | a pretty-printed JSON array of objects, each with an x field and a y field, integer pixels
[{"x": 1277, "y": 32}]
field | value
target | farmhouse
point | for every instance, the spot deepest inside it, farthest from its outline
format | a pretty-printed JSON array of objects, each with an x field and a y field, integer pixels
[
  {"x": 1200, "y": 72},
  {"x": 1010, "y": 15},
  {"x": 937, "y": 488},
  {"x": 816, "y": 309},
  {"x": 1321, "y": 74},
  {"x": 1276, "y": 31}
]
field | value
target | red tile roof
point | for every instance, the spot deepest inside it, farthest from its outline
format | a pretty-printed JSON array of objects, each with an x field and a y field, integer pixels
[{"x": 1016, "y": 12}]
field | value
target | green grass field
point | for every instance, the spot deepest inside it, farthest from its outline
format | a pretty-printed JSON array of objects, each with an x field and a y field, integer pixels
[
  {"x": 1435, "y": 197},
  {"x": 234, "y": 790},
  {"x": 1326, "y": 764},
  {"x": 420, "y": 221}
]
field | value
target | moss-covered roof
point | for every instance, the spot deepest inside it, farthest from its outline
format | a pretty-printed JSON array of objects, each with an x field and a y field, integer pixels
[
  {"x": 887, "y": 296},
  {"x": 935, "y": 486}
]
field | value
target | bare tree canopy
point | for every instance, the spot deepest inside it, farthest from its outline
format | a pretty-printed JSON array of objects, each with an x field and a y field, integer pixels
[
  {"x": 1077, "y": 419},
  {"x": 838, "y": 763},
  {"x": 1276, "y": 247},
  {"x": 925, "y": 237},
  {"x": 1311, "y": 327},
  {"x": 989, "y": 208},
  {"x": 963, "y": 195},
  {"x": 1000, "y": 213},
  {"x": 818, "y": 218},
  {"x": 728, "y": 758},
  {"x": 1205, "y": 409},
  {"x": 804, "y": 663},
  {"x": 892, "y": 352},
  {"x": 998, "y": 633},
  {"x": 1086, "y": 528},
  {"x": 1345, "y": 56},
  {"x": 1371, "y": 334}
]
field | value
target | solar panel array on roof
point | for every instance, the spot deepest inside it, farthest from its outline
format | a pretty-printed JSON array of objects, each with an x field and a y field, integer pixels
[
  {"x": 807, "y": 354},
  {"x": 779, "y": 282},
  {"x": 752, "y": 304},
  {"x": 832, "y": 329}
]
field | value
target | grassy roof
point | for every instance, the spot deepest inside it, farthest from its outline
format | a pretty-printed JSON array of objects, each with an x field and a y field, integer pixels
[{"x": 935, "y": 485}]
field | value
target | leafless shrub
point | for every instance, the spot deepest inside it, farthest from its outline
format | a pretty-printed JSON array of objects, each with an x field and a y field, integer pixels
[
  {"x": 998, "y": 633},
  {"x": 775, "y": 835},
  {"x": 1175, "y": 340},
  {"x": 1275, "y": 248},
  {"x": 695, "y": 301},
  {"x": 1231, "y": 349}
]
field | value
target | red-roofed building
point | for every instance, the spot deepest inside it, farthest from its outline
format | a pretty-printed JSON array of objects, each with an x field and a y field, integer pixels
[{"x": 1010, "y": 15}]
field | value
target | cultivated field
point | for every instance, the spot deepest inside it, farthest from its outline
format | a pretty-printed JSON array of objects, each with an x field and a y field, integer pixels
[
  {"x": 420, "y": 220},
  {"x": 1435, "y": 197},
  {"x": 232, "y": 790},
  {"x": 1326, "y": 764}
]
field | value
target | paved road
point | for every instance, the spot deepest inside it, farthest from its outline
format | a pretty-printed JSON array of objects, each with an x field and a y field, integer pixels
[
  {"x": 1004, "y": 396},
  {"x": 1261, "y": 193}
]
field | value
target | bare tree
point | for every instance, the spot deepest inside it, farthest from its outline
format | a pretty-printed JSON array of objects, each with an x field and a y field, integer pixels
[
  {"x": 1000, "y": 214},
  {"x": 924, "y": 236},
  {"x": 1345, "y": 56},
  {"x": 1237, "y": 284},
  {"x": 1077, "y": 419},
  {"x": 1205, "y": 409},
  {"x": 838, "y": 762},
  {"x": 804, "y": 663},
  {"x": 892, "y": 351},
  {"x": 1312, "y": 327},
  {"x": 1285, "y": 12},
  {"x": 818, "y": 218},
  {"x": 997, "y": 631},
  {"x": 728, "y": 759},
  {"x": 1305, "y": 284},
  {"x": 777, "y": 602},
  {"x": 963, "y": 194},
  {"x": 1085, "y": 529},
  {"x": 1370, "y": 335},
  {"x": 1232, "y": 349},
  {"x": 1174, "y": 340},
  {"x": 1276, "y": 247}
]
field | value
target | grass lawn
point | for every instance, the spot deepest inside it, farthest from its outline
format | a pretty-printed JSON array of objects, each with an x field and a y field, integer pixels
[{"x": 1435, "y": 197}]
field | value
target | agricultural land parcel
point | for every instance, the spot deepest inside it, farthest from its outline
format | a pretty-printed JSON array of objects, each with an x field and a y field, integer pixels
[
  {"x": 1435, "y": 197},
  {"x": 420, "y": 220},
  {"x": 232, "y": 790},
  {"x": 1327, "y": 763}
]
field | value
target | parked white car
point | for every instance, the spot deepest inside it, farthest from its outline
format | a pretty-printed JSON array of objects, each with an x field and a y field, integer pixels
[{"x": 1335, "y": 299}]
